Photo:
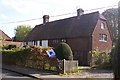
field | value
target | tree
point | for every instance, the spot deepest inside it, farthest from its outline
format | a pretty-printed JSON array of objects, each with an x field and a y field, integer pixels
[
  {"x": 112, "y": 19},
  {"x": 21, "y": 32},
  {"x": 116, "y": 60},
  {"x": 63, "y": 51}
]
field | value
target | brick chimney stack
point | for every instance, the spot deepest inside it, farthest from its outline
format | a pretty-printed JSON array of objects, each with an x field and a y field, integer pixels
[
  {"x": 45, "y": 19},
  {"x": 80, "y": 12}
]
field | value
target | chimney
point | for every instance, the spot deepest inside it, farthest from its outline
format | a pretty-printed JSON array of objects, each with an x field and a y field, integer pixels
[
  {"x": 45, "y": 19},
  {"x": 80, "y": 12}
]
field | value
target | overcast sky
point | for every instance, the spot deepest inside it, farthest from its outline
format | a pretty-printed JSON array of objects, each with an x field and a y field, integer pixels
[{"x": 17, "y": 10}]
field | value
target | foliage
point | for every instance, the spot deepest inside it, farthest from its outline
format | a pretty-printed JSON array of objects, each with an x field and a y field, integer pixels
[
  {"x": 115, "y": 61},
  {"x": 21, "y": 32},
  {"x": 15, "y": 56},
  {"x": 101, "y": 59},
  {"x": 112, "y": 18},
  {"x": 9, "y": 47},
  {"x": 63, "y": 51},
  {"x": 33, "y": 57}
]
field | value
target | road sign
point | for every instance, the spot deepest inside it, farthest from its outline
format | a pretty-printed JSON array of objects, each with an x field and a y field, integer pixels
[{"x": 51, "y": 53}]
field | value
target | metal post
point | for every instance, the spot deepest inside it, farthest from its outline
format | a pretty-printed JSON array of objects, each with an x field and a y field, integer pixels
[{"x": 63, "y": 66}]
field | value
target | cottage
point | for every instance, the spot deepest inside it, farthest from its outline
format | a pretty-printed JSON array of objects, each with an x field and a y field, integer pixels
[
  {"x": 5, "y": 40},
  {"x": 83, "y": 33}
]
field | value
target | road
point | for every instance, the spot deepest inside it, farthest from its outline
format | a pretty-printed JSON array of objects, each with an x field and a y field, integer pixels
[
  {"x": 9, "y": 75},
  {"x": 31, "y": 73}
]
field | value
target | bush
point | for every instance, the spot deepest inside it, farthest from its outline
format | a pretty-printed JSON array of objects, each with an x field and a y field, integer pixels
[
  {"x": 115, "y": 61},
  {"x": 63, "y": 51},
  {"x": 33, "y": 57},
  {"x": 100, "y": 59},
  {"x": 9, "y": 46},
  {"x": 15, "y": 56}
]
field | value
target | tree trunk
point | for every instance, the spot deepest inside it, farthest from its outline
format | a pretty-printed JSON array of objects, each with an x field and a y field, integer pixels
[{"x": 117, "y": 54}]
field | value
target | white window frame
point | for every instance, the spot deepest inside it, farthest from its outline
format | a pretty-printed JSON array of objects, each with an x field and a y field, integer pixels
[
  {"x": 63, "y": 40},
  {"x": 45, "y": 43},
  {"x": 102, "y": 25},
  {"x": 103, "y": 37}
]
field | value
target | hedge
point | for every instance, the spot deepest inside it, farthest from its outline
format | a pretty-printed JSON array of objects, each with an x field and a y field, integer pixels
[
  {"x": 34, "y": 57},
  {"x": 63, "y": 51}
]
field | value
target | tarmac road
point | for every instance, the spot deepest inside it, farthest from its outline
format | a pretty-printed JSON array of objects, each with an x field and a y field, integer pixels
[
  {"x": 85, "y": 74},
  {"x": 9, "y": 75}
]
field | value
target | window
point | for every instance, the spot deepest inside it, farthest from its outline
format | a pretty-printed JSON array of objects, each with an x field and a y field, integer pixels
[
  {"x": 35, "y": 43},
  {"x": 103, "y": 37},
  {"x": 55, "y": 41},
  {"x": 44, "y": 43},
  {"x": 63, "y": 40},
  {"x": 40, "y": 43},
  {"x": 102, "y": 25}
]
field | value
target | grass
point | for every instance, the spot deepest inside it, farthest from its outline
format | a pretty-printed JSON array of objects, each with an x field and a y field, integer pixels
[
  {"x": 90, "y": 77},
  {"x": 83, "y": 67},
  {"x": 71, "y": 73}
]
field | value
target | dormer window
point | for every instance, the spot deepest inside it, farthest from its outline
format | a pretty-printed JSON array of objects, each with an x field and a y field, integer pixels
[{"x": 102, "y": 25}]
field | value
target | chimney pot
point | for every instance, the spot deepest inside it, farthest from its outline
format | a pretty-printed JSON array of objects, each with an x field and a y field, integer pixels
[
  {"x": 80, "y": 12},
  {"x": 45, "y": 19}
]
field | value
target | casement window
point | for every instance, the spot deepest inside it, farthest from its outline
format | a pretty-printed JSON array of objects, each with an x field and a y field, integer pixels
[
  {"x": 44, "y": 43},
  {"x": 103, "y": 37},
  {"x": 102, "y": 25},
  {"x": 35, "y": 43},
  {"x": 39, "y": 43},
  {"x": 55, "y": 41},
  {"x": 63, "y": 40},
  {"x": 30, "y": 43}
]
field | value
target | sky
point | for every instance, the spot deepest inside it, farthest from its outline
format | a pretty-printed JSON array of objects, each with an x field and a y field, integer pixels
[{"x": 20, "y": 10}]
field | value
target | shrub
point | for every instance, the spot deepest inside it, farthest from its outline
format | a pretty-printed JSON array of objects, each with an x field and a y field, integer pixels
[
  {"x": 15, "y": 56},
  {"x": 100, "y": 59},
  {"x": 33, "y": 57},
  {"x": 9, "y": 46},
  {"x": 63, "y": 51},
  {"x": 115, "y": 61}
]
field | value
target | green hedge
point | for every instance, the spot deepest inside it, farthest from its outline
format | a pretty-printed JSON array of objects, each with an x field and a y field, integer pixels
[
  {"x": 15, "y": 56},
  {"x": 34, "y": 57},
  {"x": 101, "y": 59},
  {"x": 63, "y": 51},
  {"x": 9, "y": 47}
]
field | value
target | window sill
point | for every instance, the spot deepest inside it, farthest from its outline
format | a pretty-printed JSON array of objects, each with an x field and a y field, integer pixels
[{"x": 102, "y": 41}]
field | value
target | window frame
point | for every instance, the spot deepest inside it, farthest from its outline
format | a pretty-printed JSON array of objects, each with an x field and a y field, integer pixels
[
  {"x": 103, "y": 37},
  {"x": 102, "y": 25}
]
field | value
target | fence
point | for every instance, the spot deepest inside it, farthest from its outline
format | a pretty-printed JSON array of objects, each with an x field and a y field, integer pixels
[
  {"x": 62, "y": 66},
  {"x": 67, "y": 66}
]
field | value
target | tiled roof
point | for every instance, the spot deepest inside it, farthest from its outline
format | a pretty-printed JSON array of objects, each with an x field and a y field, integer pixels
[
  {"x": 4, "y": 36},
  {"x": 65, "y": 28}
]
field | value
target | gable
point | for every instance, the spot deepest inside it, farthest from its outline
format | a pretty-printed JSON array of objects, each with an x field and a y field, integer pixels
[
  {"x": 101, "y": 39},
  {"x": 4, "y": 36},
  {"x": 65, "y": 28},
  {"x": 100, "y": 29}
]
